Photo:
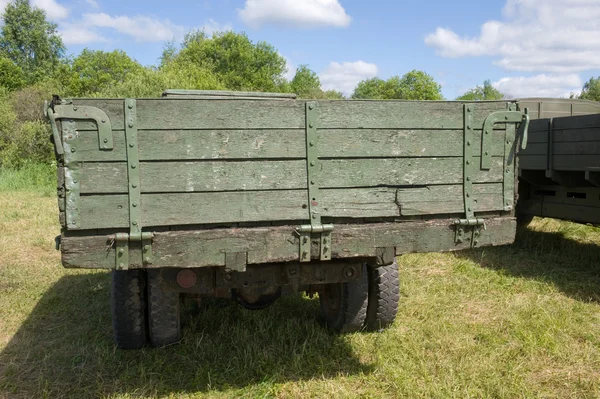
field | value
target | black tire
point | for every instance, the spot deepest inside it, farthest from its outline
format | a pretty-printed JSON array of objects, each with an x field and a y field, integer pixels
[
  {"x": 384, "y": 295},
  {"x": 128, "y": 305},
  {"x": 344, "y": 305},
  {"x": 164, "y": 327}
]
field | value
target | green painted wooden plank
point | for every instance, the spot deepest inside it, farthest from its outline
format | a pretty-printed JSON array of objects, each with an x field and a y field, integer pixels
[
  {"x": 575, "y": 162},
  {"x": 576, "y": 135},
  {"x": 196, "y": 144},
  {"x": 532, "y": 162},
  {"x": 399, "y": 143},
  {"x": 111, "y": 211},
  {"x": 535, "y": 149},
  {"x": 448, "y": 199},
  {"x": 577, "y": 122},
  {"x": 222, "y": 114},
  {"x": 201, "y": 248},
  {"x": 400, "y": 114},
  {"x": 228, "y": 94},
  {"x": 402, "y": 172},
  {"x": 577, "y": 148},
  {"x": 167, "y": 177},
  {"x": 185, "y": 113}
]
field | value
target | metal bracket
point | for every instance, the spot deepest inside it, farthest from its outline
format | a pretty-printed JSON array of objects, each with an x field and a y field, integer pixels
[
  {"x": 124, "y": 240},
  {"x": 470, "y": 222},
  {"x": 488, "y": 128},
  {"x": 105, "y": 138},
  {"x": 313, "y": 168}
]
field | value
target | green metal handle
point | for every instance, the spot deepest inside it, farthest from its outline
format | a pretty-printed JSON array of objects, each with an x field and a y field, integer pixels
[
  {"x": 488, "y": 126},
  {"x": 88, "y": 113}
]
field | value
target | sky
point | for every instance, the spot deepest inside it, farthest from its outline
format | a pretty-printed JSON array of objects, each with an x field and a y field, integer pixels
[{"x": 526, "y": 48}]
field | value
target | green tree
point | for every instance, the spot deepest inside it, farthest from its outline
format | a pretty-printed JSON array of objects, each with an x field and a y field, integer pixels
[
  {"x": 238, "y": 62},
  {"x": 481, "y": 93},
  {"x": 414, "y": 85},
  {"x": 591, "y": 90},
  {"x": 11, "y": 76},
  {"x": 305, "y": 83},
  {"x": 30, "y": 41},
  {"x": 93, "y": 71}
]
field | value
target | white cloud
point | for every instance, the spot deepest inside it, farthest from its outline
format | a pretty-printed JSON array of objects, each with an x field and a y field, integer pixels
[
  {"x": 93, "y": 3},
  {"x": 539, "y": 86},
  {"x": 53, "y": 9},
  {"x": 212, "y": 26},
  {"x": 77, "y": 34},
  {"x": 296, "y": 13},
  {"x": 141, "y": 28},
  {"x": 345, "y": 76},
  {"x": 291, "y": 68},
  {"x": 556, "y": 36}
]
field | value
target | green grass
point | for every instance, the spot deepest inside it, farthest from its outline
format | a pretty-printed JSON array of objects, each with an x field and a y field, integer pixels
[
  {"x": 517, "y": 321},
  {"x": 36, "y": 177}
]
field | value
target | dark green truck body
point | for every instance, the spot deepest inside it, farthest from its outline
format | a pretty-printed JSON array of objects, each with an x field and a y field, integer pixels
[
  {"x": 251, "y": 190},
  {"x": 560, "y": 169}
]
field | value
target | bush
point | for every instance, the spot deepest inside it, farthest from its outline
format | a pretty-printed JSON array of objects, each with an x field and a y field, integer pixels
[{"x": 31, "y": 143}]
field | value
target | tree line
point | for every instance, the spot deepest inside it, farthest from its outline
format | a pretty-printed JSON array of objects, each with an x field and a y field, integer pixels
[{"x": 34, "y": 65}]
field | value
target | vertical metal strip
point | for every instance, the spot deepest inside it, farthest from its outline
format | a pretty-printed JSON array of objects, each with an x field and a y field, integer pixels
[
  {"x": 550, "y": 149},
  {"x": 510, "y": 145},
  {"x": 312, "y": 162},
  {"x": 468, "y": 161},
  {"x": 133, "y": 170},
  {"x": 72, "y": 175}
]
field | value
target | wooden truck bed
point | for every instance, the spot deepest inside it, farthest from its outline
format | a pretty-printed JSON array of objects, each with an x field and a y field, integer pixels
[
  {"x": 193, "y": 181},
  {"x": 560, "y": 169}
]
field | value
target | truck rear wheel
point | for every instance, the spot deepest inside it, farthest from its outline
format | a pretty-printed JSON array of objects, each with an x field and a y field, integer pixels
[
  {"x": 164, "y": 326},
  {"x": 344, "y": 305},
  {"x": 384, "y": 295},
  {"x": 127, "y": 300}
]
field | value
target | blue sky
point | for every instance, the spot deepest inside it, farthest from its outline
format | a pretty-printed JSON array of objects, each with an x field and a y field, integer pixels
[{"x": 525, "y": 47}]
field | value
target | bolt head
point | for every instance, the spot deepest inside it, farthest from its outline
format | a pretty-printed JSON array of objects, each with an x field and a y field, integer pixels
[
  {"x": 105, "y": 140},
  {"x": 72, "y": 149},
  {"x": 121, "y": 251}
]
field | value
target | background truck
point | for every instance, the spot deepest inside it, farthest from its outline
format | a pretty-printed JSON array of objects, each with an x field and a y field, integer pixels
[
  {"x": 251, "y": 195},
  {"x": 560, "y": 169}
]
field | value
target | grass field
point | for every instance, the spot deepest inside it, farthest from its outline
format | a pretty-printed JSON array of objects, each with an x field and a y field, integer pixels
[{"x": 519, "y": 321}]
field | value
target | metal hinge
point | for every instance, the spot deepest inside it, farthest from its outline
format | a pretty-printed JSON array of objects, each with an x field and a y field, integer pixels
[
  {"x": 122, "y": 243},
  {"x": 468, "y": 230}
]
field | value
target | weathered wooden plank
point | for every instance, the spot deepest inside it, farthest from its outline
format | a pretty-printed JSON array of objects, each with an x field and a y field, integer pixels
[
  {"x": 112, "y": 211},
  {"x": 400, "y": 114},
  {"x": 219, "y": 114},
  {"x": 201, "y": 248},
  {"x": 195, "y": 176},
  {"x": 402, "y": 172},
  {"x": 186, "y": 113},
  {"x": 359, "y": 202},
  {"x": 246, "y": 144},
  {"x": 228, "y": 94},
  {"x": 448, "y": 199},
  {"x": 167, "y": 145},
  {"x": 390, "y": 202},
  {"x": 399, "y": 143}
]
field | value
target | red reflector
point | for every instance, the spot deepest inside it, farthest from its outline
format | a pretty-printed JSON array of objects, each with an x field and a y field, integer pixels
[{"x": 186, "y": 278}]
